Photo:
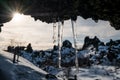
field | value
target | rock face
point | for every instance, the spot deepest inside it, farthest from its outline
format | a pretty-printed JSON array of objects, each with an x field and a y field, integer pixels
[
  {"x": 108, "y": 53},
  {"x": 91, "y": 42},
  {"x": 67, "y": 44},
  {"x": 51, "y": 10}
]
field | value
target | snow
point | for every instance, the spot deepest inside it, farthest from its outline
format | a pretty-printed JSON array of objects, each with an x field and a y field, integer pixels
[
  {"x": 104, "y": 71},
  {"x": 99, "y": 72},
  {"x": 96, "y": 72},
  {"x": 95, "y": 64},
  {"x": 23, "y": 70}
]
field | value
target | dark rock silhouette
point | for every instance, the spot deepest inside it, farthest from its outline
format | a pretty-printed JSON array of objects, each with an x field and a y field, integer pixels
[
  {"x": 51, "y": 77},
  {"x": 111, "y": 43},
  {"x": 55, "y": 47},
  {"x": 29, "y": 48},
  {"x": 89, "y": 41},
  {"x": 67, "y": 44},
  {"x": 111, "y": 55}
]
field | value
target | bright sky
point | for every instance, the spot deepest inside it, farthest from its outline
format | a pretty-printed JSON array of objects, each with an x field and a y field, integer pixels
[{"x": 24, "y": 29}]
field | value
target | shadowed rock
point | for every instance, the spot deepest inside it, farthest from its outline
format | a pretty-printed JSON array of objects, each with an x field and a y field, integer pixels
[{"x": 50, "y": 10}]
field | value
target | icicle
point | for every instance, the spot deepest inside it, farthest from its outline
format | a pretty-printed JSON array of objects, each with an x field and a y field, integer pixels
[
  {"x": 75, "y": 44},
  {"x": 62, "y": 27},
  {"x": 1, "y": 27},
  {"x": 59, "y": 44},
  {"x": 54, "y": 33}
]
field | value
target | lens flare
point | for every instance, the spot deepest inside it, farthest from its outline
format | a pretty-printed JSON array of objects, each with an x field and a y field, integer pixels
[{"x": 17, "y": 17}]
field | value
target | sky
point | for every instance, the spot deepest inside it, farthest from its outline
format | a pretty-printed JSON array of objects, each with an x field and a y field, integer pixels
[{"x": 25, "y": 29}]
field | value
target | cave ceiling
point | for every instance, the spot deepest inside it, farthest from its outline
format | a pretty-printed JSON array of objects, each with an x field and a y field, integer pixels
[{"x": 50, "y": 11}]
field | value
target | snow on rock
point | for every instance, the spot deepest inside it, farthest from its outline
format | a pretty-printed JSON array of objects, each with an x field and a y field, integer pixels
[
  {"x": 92, "y": 54},
  {"x": 98, "y": 72},
  {"x": 96, "y": 62}
]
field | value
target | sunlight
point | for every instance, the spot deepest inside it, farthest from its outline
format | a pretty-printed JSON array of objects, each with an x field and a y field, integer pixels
[{"x": 17, "y": 17}]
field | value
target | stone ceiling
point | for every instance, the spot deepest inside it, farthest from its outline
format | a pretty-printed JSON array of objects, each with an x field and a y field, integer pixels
[{"x": 53, "y": 10}]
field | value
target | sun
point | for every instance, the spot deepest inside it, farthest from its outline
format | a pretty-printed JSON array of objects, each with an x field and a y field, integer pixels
[{"x": 17, "y": 17}]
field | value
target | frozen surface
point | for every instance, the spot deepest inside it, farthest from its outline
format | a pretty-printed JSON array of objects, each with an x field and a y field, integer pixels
[
  {"x": 23, "y": 70},
  {"x": 102, "y": 63}
]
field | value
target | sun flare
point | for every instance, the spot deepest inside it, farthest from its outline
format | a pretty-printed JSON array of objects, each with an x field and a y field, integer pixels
[{"x": 17, "y": 17}]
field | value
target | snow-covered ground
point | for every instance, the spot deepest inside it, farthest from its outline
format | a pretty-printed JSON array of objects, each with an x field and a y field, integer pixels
[
  {"x": 103, "y": 71},
  {"x": 99, "y": 72},
  {"x": 95, "y": 63},
  {"x": 95, "y": 72},
  {"x": 23, "y": 70}
]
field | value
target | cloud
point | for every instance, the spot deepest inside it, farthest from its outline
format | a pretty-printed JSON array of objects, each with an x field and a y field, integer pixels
[
  {"x": 38, "y": 32},
  {"x": 88, "y": 27},
  {"x": 86, "y": 22}
]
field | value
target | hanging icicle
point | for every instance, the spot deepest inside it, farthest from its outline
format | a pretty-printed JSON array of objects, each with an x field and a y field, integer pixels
[
  {"x": 62, "y": 27},
  {"x": 1, "y": 27},
  {"x": 59, "y": 44},
  {"x": 54, "y": 33},
  {"x": 75, "y": 43}
]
